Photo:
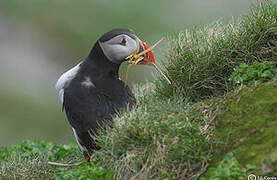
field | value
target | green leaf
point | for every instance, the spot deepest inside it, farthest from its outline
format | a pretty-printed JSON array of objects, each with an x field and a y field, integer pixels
[{"x": 252, "y": 74}]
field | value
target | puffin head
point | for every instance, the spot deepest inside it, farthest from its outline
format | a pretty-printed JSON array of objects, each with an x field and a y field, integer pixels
[{"x": 118, "y": 44}]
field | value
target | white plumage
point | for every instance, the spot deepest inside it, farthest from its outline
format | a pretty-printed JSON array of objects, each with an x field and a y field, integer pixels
[{"x": 66, "y": 78}]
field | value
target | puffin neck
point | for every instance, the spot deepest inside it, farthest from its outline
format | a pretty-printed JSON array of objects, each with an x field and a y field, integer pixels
[{"x": 97, "y": 62}]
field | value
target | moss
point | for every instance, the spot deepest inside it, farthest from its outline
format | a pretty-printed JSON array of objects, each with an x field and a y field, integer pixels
[{"x": 248, "y": 127}]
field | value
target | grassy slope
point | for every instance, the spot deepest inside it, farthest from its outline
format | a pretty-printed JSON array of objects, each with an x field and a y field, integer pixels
[
  {"x": 201, "y": 60},
  {"x": 245, "y": 125},
  {"x": 168, "y": 136}
]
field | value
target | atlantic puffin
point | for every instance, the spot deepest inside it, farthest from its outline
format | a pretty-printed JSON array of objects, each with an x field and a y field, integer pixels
[{"x": 91, "y": 92}]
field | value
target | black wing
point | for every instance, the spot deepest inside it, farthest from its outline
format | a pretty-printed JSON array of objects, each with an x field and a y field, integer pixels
[
  {"x": 86, "y": 113},
  {"x": 88, "y": 108}
]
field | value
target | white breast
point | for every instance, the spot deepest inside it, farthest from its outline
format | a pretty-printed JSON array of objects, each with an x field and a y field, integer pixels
[{"x": 66, "y": 78}]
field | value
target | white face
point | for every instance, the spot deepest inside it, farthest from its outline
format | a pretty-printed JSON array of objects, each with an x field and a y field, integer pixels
[{"x": 119, "y": 47}]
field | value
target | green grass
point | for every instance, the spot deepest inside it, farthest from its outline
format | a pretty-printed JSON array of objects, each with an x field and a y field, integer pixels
[
  {"x": 201, "y": 60},
  {"x": 30, "y": 159},
  {"x": 158, "y": 139},
  {"x": 84, "y": 171},
  {"x": 202, "y": 125}
]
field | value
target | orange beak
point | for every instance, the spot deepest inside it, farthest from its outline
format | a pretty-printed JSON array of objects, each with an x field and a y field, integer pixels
[{"x": 149, "y": 58}]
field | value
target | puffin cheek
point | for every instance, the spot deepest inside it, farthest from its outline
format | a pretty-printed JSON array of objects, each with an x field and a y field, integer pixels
[
  {"x": 114, "y": 53},
  {"x": 119, "y": 54},
  {"x": 124, "y": 52}
]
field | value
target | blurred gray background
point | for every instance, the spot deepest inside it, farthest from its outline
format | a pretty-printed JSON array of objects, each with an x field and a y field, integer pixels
[{"x": 41, "y": 39}]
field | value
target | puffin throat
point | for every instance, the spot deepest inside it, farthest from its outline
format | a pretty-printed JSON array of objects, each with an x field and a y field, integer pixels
[{"x": 100, "y": 63}]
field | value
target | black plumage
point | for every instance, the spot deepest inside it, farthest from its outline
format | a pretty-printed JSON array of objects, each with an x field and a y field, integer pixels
[
  {"x": 88, "y": 107},
  {"x": 94, "y": 93}
]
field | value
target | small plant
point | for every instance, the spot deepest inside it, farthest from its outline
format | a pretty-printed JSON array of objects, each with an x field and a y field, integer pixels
[
  {"x": 229, "y": 168},
  {"x": 252, "y": 74},
  {"x": 84, "y": 171}
]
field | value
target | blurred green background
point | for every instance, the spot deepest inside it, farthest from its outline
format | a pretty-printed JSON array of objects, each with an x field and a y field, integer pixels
[{"x": 40, "y": 39}]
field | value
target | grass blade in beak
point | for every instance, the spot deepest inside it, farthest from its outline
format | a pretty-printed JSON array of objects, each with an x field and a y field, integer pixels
[
  {"x": 138, "y": 60},
  {"x": 135, "y": 58},
  {"x": 126, "y": 75},
  {"x": 151, "y": 48},
  {"x": 160, "y": 71}
]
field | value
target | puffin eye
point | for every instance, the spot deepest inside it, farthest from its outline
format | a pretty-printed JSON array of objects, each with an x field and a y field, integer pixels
[{"x": 123, "y": 42}]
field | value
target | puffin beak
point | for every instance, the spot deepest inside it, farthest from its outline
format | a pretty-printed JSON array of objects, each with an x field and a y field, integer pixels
[
  {"x": 149, "y": 58},
  {"x": 144, "y": 56}
]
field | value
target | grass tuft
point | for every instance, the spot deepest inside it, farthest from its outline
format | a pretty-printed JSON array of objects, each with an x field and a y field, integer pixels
[
  {"x": 201, "y": 60},
  {"x": 158, "y": 139}
]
